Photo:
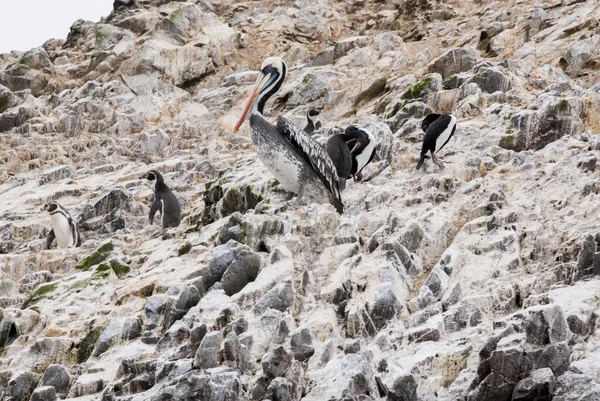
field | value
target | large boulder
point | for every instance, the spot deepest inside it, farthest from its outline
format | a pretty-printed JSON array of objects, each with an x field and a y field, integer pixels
[{"x": 454, "y": 61}]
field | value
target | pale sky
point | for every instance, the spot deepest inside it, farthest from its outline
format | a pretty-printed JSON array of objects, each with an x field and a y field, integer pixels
[{"x": 29, "y": 23}]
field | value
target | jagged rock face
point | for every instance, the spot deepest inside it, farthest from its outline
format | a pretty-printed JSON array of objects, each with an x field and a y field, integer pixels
[{"x": 479, "y": 282}]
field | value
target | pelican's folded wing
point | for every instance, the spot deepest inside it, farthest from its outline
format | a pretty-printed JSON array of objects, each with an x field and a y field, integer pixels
[{"x": 314, "y": 153}]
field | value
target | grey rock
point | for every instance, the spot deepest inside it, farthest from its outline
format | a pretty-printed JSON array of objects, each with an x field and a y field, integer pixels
[
  {"x": 15, "y": 117},
  {"x": 324, "y": 58},
  {"x": 404, "y": 388},
  {"x": 421, "y": 334},
  {"x": 36, "y": 58},
  {"x": 108, "y": 337},
  {"x": 492, "y": 79},
  {"x": 218, "y": 384},
  {"x": 352, "y": 346},
  {"x": 399, "y": 116},
  {"x": 276, "y": 363},
  {"x": 231, "y": 350},
  {"x": 7, "y": 99},
  {"x": 155, "y": 309},
  {"x": 56, "y": 174},
  {"x": 388, "y": 41},
  {"x": 302, "y": 345},
  {"x": 547, "y": 324},
  {"x": 154, "y": 142},
  {"x": 44, "y": 393},
  {"x": 58, "y": 377},
  {"x": 207, "y": 355},
  {"x": 533, "y": 130},
  {"x": 487, "y": 34},
  {"x": 21, "y": 77},
  {"x": 114, "y": 198},
  {"x": 386, "y": 305},
  {"x": 279, "y": 297},
  {"x": 345, "y": 45},
  {"x": 280, "y": 389},
  {"x": 235, "y": 265},
  {"x": 21, "y": 385},
  {"x": 580, "y": 56},
  {"x": 132, "y": 328},
  {"x": 453, "y": 62},
  {"x": 314, "y": 85},
  {"x": 538, "y": 386}
]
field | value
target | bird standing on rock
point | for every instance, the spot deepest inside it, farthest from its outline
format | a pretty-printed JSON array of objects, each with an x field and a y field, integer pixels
[
  {"x": 362, "y": 148},
  {"x": 164, "y": 201},
  {"x": 64, "y": 229},
  {"x": 351, "y": 151},
  {"x": 312, "y": 116},
  {"x": 299, "y": 162},
  {"x": 438, "y": 129}
]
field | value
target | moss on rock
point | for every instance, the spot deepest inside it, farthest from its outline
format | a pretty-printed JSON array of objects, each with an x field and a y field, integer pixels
[
  {"x": 40, "y": 292},
  {"x": 98, "y": 256},
  {"x": 185, "y": 248}
]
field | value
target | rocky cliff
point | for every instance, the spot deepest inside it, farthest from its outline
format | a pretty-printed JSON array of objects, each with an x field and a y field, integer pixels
[{"x": 477, "y": 282}]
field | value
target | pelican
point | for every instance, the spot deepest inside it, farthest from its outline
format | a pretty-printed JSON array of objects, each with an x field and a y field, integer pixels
[
  {"x": 299, "y": 162},
  {"x": 312, "y": 116},
  {"x": 438, "y": 129}
]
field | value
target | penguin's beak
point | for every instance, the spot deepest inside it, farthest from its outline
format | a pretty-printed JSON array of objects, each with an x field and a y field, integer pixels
[
  {"x": 355, "y": 148},
  {"x": 319, "y": 109},
  {"x": 263, "y": 81},
  {"x": 44, "y": 208}
]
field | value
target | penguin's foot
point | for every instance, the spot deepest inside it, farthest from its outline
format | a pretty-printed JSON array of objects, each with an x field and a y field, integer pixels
[
  {"x": 358, "y": 176},
  {"x": 438, "y": 161}
]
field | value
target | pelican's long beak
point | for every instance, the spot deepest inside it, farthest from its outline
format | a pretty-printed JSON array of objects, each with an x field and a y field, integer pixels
[
  {"x": 355, "y": 148},
  {"x": 262, "y": 81}
]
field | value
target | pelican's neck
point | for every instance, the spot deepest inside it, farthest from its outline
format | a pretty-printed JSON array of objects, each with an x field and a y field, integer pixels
[{"x": 263, "y": 97}]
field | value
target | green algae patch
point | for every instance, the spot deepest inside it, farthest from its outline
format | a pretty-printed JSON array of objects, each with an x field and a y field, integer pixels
[
  {"x": 103, "y": 270},
  {"x": 417, "y": 90},
  {"x": 40, "y": 292},
  {"x": 98, "y": 256},
  {"x": 185, "y": 248}
]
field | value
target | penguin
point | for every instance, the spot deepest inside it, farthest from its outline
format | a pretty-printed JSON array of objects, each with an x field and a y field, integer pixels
[
  {"x": 438, "y": 129},
  {"x": 64, "y": 229},
  {"x": 164, "y": 201},
  {"x": 312, "y": 116},
  {"x": 362, "y": 149},
  {"x": 339, "y": 153}
]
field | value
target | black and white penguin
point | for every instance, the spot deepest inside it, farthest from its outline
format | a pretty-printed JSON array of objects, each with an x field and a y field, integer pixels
[
  {"x": 164, "y": 201},
  {"x": 64, "y": 229},
  {"x": 313, "y": 119},
  {"x": 362, "y": 149},
  {"x": 438, "y": 129},
  {"x": 338, "y": 151}
]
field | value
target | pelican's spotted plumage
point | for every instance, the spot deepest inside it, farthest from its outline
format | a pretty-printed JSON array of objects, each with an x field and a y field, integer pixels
[{"x": 299, "y": 162}]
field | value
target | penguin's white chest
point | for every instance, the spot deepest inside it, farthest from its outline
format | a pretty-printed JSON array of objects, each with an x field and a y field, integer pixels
[{"x": 62, "y": 230}]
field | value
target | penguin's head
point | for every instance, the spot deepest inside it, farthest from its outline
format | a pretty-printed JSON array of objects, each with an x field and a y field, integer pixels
[
  {"x": 153, "y": 175},
  {"x": 149, "y": 176},
  {"x": 49, "y": 207},
  {"x": 429, "y": 120},
  {"x": 315, "y": 111}
]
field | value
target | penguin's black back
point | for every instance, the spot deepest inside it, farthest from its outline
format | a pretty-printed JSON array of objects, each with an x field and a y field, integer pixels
[
  {"x": 435, "y": 131},
  {"x": 338, "y": 151},
  {"x": 171, "y": 210}
]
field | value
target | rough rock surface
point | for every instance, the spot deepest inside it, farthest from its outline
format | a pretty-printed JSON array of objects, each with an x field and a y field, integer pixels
[{"x": 478, "y": 282}]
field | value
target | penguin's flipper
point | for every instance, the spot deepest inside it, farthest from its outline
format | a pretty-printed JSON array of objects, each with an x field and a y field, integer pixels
[
  {"x": 49, "y": 239},
  {"x": 156, "y": 206},
  {"x": 75, "y": 232}
]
